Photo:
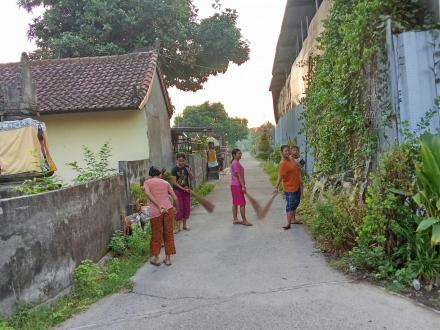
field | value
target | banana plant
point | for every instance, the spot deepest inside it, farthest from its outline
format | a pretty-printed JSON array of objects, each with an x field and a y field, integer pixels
[{"x": 428, "y": 185}]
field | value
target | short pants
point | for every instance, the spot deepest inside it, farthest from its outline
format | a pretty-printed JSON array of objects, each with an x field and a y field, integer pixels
[{"x": 292, "y": 200}]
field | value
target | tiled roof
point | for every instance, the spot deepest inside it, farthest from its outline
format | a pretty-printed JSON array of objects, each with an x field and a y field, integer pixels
[{"x": 84, "y": 84}]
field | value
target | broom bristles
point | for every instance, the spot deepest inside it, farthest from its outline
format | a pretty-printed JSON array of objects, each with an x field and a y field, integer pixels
[
  {"x": 255, "y": 205},
  {"x": 266, "y": 208},
  {"x": 207, "y": 205}
]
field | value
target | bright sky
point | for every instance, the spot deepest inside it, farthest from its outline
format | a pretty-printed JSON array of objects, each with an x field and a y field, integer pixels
[{"x": 242, "y": 89}]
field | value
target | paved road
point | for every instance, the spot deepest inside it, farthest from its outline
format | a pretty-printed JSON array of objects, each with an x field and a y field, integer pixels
[{"x": 234, "y": 277}]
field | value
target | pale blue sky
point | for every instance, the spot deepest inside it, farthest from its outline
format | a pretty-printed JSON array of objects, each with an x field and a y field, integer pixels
[{"x": 243, "y": 90}]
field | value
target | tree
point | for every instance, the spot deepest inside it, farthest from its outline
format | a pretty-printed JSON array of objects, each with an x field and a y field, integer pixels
[
  {"x": 263, "y": 146},
  {"x": 192, "y": 49},
  {"x": 214, "y": 115}
]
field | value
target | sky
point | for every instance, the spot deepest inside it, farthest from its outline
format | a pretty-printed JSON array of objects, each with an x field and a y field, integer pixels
[{"x": 244, "y": 90}]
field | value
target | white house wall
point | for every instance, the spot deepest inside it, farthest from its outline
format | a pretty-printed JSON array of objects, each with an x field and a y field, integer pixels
[{"x": 125, "y": 130}]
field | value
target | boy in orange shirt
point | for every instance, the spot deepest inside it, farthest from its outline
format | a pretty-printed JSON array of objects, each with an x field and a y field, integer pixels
[{"x": 289, "y": 172}]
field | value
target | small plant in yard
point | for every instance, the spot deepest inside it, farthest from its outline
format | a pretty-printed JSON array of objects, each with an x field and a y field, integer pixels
[
  {"x": 118, "y": 243},
  {"x": 137, "y": 242},
  {"x": 334, "y": 223},
  {"x": 96, "y": 164},
  {"x": 86, "y": 277},
  {"x": 138, "y": 195}
]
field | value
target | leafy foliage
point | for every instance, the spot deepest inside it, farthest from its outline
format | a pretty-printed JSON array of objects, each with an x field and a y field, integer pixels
[
  {"x": 428, "y": 185},
  {"x": 334, "y": 223},
  {"x": 86, "y": 277},
  {"x": 192, "y": 49},
  {"x": 137, "y": 242},
  {"x": 96, "y": 165},
  {"x": 137, "y": 193},
  {"x": 117, "y": 243},
  {"x": 337, "y": 120},
  {"x": 214, "y": 115},
  {"x": 40, "y": 184},
  {"x": 263, "y": 146}
]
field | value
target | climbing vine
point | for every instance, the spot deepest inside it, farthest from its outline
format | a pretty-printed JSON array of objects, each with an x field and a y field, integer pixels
[{"x": 338, "y": 119}]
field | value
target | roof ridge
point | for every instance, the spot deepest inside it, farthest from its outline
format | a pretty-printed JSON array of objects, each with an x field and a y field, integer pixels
[{"x": 83, "y": 59}]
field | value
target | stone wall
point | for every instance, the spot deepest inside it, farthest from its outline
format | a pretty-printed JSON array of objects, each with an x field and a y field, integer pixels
[
  {"x": 199, "y": 165},
  {"x": 133, "y": 172},
  {"x": 43, "y": 237}
]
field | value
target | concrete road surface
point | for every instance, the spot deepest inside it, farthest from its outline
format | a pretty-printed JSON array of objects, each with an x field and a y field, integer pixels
[{"x": 229, "y": 276}]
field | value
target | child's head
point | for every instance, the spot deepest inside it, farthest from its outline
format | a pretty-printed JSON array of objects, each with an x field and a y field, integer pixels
[
  {"x": 285, "y": 151},
  {"x": 236, "y": 154},
  {"x": 211, "y": 145},
  {"x": 294, "y": 150},
  {"x": 180, "y": 159}
]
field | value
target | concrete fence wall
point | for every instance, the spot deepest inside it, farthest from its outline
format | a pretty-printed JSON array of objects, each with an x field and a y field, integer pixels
[
  {"x": 43, "y": 237},
  {"x": 133, "y": 172},
  {"x": 198, "y": 163}
]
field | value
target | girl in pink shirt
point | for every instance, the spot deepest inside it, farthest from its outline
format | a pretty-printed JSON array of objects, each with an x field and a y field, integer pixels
[
  {"x": 238, "y": 189},
  {"x": 162, "y": 216}
]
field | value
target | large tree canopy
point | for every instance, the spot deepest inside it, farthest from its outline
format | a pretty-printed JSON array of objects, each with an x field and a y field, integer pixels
[
  {"x": 192, "y": 49},
  {"x": 214, "y": 115}
]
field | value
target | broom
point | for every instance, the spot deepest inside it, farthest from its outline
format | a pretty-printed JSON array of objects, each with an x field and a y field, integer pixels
[
  {"x": 266, "y": 208},
  {"x": 208, "y": 206},
  {"x": 255, "y": 205}
]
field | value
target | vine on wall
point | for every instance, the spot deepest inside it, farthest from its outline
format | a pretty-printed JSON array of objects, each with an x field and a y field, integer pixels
[{"x": 338, "y": 119}]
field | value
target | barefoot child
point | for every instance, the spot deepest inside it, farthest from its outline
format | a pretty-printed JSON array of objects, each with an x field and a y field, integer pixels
[
  {"x": 182, "y": 174},
  {"x": 238, "y": 189}
]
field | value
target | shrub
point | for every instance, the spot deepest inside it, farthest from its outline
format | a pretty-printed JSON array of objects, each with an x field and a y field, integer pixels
[
  {"x": 117, "y": 243},
  {"x": 96, "y": 164},
  {"x": 387, "y": 208},
  {"x": 137, "y": 242},
  {"x": 334, "y": 223},
  {"x": 138, "y": 195},
  {"x": 263, "y": 146},
  {"x": 86, "y": 277},
  {"x": 428, "y": 185}
]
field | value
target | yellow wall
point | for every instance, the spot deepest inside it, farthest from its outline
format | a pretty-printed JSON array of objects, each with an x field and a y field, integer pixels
[{"x": 126, "y": 131}]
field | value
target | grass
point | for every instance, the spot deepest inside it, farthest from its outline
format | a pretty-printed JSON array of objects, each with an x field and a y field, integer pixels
[
  {"x": 114, "y": 276},
  {"x": 271, "y": 170}
]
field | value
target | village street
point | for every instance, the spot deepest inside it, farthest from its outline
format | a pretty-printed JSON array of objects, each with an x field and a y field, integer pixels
[{"x": 228, "y": 276}]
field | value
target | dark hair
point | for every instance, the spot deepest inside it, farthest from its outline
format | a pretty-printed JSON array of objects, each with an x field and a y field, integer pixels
[
  {"x": 154, "y": 171},
  {"x": 234, "y": 152},
  {"x": 284, "y": 146},
  {"x": 294, "y": 147},
  {"x": 180, "y": 155}
]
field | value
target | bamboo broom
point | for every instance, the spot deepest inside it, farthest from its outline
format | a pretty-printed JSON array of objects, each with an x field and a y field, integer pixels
[
  {"x": 208, "y": 206},
  {"x": 266, "y": 208},
  {"x": 255, "y": 205}
]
